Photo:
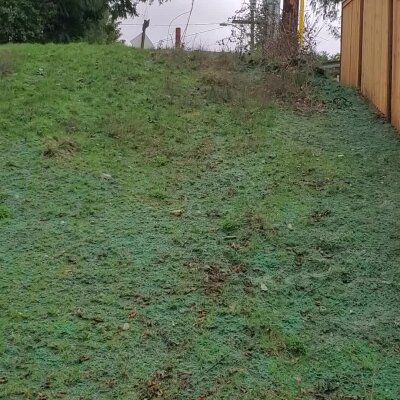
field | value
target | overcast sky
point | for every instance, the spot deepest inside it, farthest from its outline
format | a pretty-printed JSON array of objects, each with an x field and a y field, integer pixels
[{"x": 210, "y": 12}]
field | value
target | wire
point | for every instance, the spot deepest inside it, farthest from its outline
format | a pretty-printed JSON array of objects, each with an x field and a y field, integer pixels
[
  {"x": 197, "y": 33},
  {"x": 209, "y": 30},
  {"x": 188, "y": 21},
  {"x": 145, "y": 11},
  {"x": 169, "y": 26},
  {"x": 165, "y": 25}
]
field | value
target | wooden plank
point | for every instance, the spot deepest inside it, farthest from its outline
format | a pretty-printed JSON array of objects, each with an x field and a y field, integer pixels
[
  {"x": 376, "y": 67},
  {"x": 347, "y": 2},
  {"x": 350, "y": 71},
  {"x": 360, "y": 41},
  {"x": 396, "y": 65},
  {"x": 345, "y": 56}
]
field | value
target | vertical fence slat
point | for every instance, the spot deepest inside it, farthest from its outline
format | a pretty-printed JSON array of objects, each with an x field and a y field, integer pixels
[
  {"x": 351, "y": 42},
  {"x": 370, "y": 50},
  {"x": 375, "y": 82},
  {"x": 396, "y": 65}
]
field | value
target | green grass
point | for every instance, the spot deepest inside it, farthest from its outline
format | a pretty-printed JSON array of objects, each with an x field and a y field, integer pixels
[{"x": 164, "y": 234}]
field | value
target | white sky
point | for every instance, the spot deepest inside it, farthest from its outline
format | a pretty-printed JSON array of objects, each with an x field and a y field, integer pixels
[{"x": 205, "y": 12}]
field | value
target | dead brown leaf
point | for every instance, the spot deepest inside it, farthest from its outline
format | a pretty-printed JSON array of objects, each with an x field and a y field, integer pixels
[
  {"x": 239, "y": 269},
  {"x": 318, "y": 216},
  {"x": 110, "y": 382},
  {"x": 132, "y": 314},
  {"x": 215, "y": 280},
  {"x": 153, "y": 387},
  {"x": 241, "y": 245},
  {"x": 177, "y": 213},
  {"x": 201, "y": 316}
]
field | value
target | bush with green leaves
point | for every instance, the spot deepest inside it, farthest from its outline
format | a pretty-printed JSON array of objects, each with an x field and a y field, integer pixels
[{"x": 61, "y": 21}]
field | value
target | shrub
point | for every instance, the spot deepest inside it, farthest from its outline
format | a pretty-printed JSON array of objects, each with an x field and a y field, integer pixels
[{"x": 4, "y": 212}]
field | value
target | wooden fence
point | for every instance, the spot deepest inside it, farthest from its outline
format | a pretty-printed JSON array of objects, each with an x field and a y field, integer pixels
[
  {"x": 396, "y": 65},
  {"x": 370, "y": 56}
]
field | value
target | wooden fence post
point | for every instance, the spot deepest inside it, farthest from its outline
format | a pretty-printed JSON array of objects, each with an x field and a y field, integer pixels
[
  {"x": 396, "y": 65},
  {"x": 390, "y": 55},
  {"x": 178, "y": 38},
  {"x": 360, "y": 60},
  {"x": 146, "y": 24}
]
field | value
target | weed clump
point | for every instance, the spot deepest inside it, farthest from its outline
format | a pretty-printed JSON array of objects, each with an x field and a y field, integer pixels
[
  {"x": 218, "y": 86},
  {"x": 7, "y": 63},
  {"x": 61, "y": 148},
  {"x": 231, "y": 223},
  {"x": 4, "y": 212}
]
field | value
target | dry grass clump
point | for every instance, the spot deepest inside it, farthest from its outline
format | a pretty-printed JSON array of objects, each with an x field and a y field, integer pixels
[
  {"x": 61, "y": 148},
  {"x": 8, "y": 65}
]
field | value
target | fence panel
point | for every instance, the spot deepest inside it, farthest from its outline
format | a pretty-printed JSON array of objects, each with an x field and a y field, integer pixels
[
  {"x": 376, "y": 53},
  {"x": 351, "y": 42},
  {"x": 396, "y": 65}
]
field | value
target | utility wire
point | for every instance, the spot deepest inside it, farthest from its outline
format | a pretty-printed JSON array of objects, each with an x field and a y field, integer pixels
[
  {"x": 197, "y": 33},
  {"x": 209, "y": 30},
  {"x": 188, "y": 21},
  {"x": 169, "y": 26},
  {"x": 145, "y": 11},
  {"x": 165, "y": 25}
]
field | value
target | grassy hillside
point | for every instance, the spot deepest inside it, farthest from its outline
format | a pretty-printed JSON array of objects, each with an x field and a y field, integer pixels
[{"x": 167, "y": 233}]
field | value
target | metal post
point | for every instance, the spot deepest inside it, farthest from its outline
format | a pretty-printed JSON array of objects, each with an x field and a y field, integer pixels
[{"x": 301, "y": 24}]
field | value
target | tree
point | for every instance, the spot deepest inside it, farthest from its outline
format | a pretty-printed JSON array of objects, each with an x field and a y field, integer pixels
[
  {"x": 24, "y": 20},
  {"x": 63, "y": 20},
  {"x": 328, "y": 9}
]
